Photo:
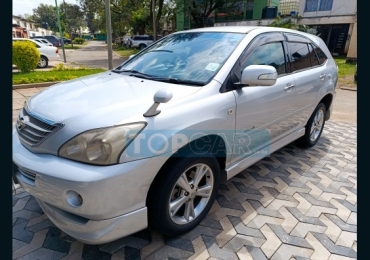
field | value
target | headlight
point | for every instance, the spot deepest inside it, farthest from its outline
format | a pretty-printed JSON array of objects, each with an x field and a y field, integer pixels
[{"x": 101, "y": 146}]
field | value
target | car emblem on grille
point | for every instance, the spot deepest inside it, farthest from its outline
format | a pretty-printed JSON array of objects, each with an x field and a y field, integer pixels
[{"x": 22, "y": 122}]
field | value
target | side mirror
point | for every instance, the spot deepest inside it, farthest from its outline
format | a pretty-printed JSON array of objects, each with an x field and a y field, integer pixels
[
  {"x": 259, "y": 75},
  {"x": 161, "y": 96}
]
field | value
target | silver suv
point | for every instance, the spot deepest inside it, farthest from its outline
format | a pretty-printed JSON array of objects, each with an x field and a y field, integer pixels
[
  {"x": 149, "y": 142},
  {"x": 141, "y": 41}
]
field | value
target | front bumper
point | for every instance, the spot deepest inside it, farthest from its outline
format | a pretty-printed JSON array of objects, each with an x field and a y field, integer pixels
[{"x": 94, "y": 204}]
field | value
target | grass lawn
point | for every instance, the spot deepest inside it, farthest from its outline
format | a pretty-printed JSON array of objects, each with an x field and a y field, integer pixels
[
  {"x": 50, "y": 76},
  {"x": 346, "y": 73},
  {"x": 125, "y": 52}
]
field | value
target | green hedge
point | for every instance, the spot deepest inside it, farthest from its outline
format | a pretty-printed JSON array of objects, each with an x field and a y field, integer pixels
[
  {"x": 79, "y": 40},
  {"x": 25, "y": 55}
]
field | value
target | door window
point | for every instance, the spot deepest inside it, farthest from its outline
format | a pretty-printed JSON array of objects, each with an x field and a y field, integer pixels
[
  {"x": 300, "y": 56},
  {"x": 268, "y": 54}
]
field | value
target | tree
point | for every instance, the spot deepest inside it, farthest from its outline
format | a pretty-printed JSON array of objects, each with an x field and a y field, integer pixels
[
  {"x": 201, "y": 10},
  {"x": 71, "y": 17},
  {"x": 289, "y": 24},
  {"x": 45, "y": 14}
]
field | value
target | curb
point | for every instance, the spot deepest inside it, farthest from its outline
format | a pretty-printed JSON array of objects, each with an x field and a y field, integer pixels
[
  {"x": 35, "y": 85},
  {"x": 350, "y": 89}
]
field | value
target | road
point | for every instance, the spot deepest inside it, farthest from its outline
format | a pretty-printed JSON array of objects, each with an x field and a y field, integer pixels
[{"x": 94, "y": 54}]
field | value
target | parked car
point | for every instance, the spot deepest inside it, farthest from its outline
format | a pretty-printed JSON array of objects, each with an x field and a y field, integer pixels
[
  {"x": 149, "y": 142},
  {"x": 65, "y": 40},
  {"x": 141, "y": 41},
  {"x": 47, "y": 53},
  {"x": 43, "y": 41},
  {"x": 51, "y": 38}
]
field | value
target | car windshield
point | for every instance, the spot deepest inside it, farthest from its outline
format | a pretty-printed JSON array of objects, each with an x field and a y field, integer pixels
[{"x": 183, "y": 57}]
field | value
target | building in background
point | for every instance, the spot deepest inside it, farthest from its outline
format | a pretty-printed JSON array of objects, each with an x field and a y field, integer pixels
[
  {"x": 335, "y": 21},
  {"x": 23, "y": 28}
]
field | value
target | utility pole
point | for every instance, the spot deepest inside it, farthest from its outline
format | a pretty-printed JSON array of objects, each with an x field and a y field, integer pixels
[
  {"x": 60, "y": 31},
  {"x": 154, "y": 25},
  {"x": 109, "y": 34}
]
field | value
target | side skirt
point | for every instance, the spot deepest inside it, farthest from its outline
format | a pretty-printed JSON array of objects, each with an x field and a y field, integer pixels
[{"x": 252, "y": 159}]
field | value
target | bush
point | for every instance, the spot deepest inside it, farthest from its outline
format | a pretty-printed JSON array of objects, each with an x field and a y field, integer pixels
[
  {"x": 25, "y": 55},
  {"x": 79, "y": 40}
]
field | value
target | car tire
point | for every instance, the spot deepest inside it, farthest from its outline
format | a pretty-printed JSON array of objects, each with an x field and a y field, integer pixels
[
  {"x": 43, "y": 62},
  {"x": 314, "y": 127},
  {"x": 174, "y": 210},
  {"x": 142, "y": 46}
]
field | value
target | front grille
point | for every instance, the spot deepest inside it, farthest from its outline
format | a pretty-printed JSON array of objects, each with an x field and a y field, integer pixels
[
  {"x": 33, "y": 131},
  {"x": 28, "y": 174}
]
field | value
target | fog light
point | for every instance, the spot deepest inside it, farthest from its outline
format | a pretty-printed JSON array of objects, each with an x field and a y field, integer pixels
[{"x": 74, "y": 199}]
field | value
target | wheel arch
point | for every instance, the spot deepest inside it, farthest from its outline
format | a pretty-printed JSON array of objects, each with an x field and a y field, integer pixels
[
  {"x": 327, "y": 101},
  {"x": 212, "y": 144}
]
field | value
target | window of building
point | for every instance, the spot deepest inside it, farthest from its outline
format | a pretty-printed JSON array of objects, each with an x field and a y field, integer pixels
[
  {"x": 300, "y": 55},
  {"x": 19, "y": 35},
  {"x": 318, "y": 5},
  {"x": 24, "y": 24},
  {"x": 269, "y": 54}
]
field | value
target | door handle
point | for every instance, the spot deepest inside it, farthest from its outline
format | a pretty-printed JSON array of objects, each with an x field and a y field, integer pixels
[
  {"x": 289, "y": 87},
  {"x": 322, "y": 76}
]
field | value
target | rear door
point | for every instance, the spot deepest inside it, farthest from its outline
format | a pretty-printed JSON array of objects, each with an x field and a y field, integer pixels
[{"x": 308, "y": 67}]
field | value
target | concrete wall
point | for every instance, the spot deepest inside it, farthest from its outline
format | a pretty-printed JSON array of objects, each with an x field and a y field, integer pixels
[
  {"x": 340, "y": 7},
  {"x": 352, "y": 48}
]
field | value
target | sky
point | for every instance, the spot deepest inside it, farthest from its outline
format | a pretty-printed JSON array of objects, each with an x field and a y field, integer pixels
[{"x": 21, "y": 7}]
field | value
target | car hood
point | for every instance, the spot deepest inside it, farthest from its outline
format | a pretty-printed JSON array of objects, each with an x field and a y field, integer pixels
[{"x": 107, "y": 95}]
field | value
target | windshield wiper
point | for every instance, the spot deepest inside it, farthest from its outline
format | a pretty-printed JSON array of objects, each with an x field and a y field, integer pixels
[
  {"x": 135, "y": 73},
  {"x": 178, "y": 81},
  {"x": 160, "y": 51}
]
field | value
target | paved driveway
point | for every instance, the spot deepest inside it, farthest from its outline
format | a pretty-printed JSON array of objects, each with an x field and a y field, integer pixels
[{"x": 299, "y": 204}]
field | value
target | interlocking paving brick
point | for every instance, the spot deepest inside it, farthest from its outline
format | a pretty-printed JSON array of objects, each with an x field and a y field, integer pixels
[
  {"x": 200, "y": 249},
  {"x": 243, "y": 230},
  {"x": 272, "y": 243},
  {"x": 18, "y": 244},
  {"x": 284, "y": 207},
  {"x": 332, "y": 248},
  {"x": 316, "y": 211},
  {"x": 228, "y": 232},
  {"x": 43, "y": 254},
  {"x": 251, "y": 253},
  {"x": 341, "y": 224},
  {"x": 302, "y": 229},
  {"x": 238, "y": 241},
  {"x": 352, "y": 218},
  {"x": 320, "y": 252},
  {"x": 130, "y": 241},
  {"x": 351, "y": 197},
  {"x": 347, "y": 205},
  {"x": 75, "y": 251},
  {"x": 333, "y": 231},
  {"x": 288, "y": 239},
  {"x": 346, "y": 239},
  {"x": 20, "y": 203},
  {"x": 36, "y": 243},
  {"x": 265, "y": 211},
  {"x": 287, "y": 251},
  {"x": 215, "y": 251},
  {"x": 179, "y": 243},
  {"x": 303, "y": 218},
  {"x": 339, "y": 257},
  {"x": 342, "y": 212}
]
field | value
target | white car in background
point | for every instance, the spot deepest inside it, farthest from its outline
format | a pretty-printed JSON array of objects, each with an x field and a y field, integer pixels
[
  {"x": 47, "y": 53},
  {"x": 43, "y": 41}
]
